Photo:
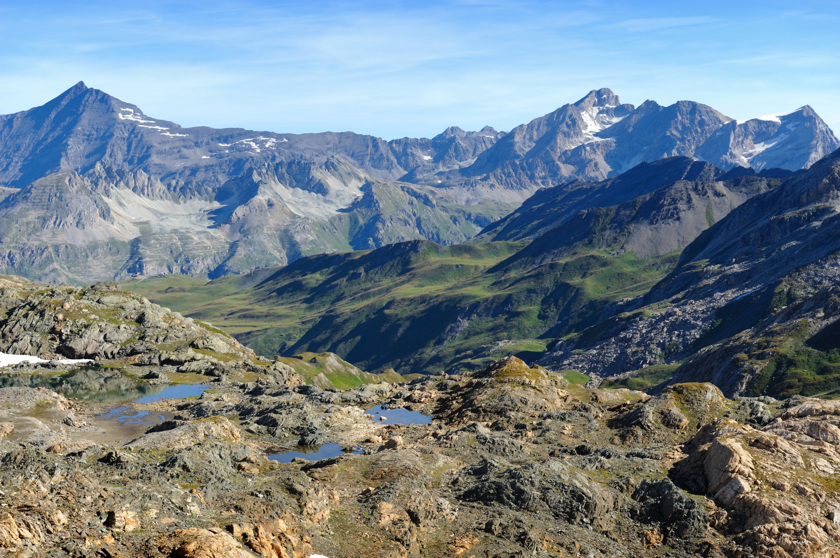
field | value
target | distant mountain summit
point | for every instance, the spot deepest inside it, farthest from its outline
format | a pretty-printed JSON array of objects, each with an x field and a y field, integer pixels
[
  {"x": 790, "y": 141},
  {"x": 598, "y": 137},
  {"x": 145, "y": 196}
]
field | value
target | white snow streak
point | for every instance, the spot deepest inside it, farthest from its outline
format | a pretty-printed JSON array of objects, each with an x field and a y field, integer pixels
[
  {"x": 7, "y": 359},
  {"x": 141, "y": 123},
  {"x": 777, "y": 118}
]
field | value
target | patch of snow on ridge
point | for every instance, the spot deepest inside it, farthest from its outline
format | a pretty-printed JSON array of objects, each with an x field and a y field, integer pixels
[
  {"x": 142, "y": 123},
  {"x": 132, "y": 116},
  {"x": 777, "y": 118},
  {"x": 595, "y": 119},
  {"x": 7, "y": 359},
  {"x": 749, "y": 154}
]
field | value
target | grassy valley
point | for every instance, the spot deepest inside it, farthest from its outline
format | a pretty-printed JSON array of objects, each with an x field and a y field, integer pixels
[{"x": 430, "y": 308}]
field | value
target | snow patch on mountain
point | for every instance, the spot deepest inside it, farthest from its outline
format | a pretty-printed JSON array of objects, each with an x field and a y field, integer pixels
[
  {"x": 133, "y": 116},
  {"x": 7, "y": 359},
  {"x": 597, "y": 119},
  {"x": 777, "y": 118},
  {"x": 255, "y": 145}
]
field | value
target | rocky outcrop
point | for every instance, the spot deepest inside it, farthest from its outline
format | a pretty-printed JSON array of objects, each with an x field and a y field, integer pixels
[
  {"x": 185, "y": 435},
  {"x": 515, "y": 461},
  {"x": 775, "y": 485},
  {"x": 101, "y": 322},
  {"x": 202, "y": 543},
  {"x": 506, "y": 388}
]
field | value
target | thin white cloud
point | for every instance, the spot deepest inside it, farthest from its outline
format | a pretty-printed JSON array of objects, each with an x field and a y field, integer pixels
[{"x": 646, "y": 25}]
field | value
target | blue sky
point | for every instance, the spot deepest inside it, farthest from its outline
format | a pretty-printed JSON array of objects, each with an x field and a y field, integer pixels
[{"x": 397, "y": 69}]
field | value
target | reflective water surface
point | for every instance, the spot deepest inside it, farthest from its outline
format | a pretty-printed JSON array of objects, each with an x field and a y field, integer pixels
[
  {"x": 324, "y": 452},
  {"x": 398, "y": 416}
]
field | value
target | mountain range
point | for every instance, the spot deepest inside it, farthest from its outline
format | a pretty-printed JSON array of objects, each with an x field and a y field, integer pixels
[
  {"x": 609, "y": 279},
  {"x": 94, "y": 189}
]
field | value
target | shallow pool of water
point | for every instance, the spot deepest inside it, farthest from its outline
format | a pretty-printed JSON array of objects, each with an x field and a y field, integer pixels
[
  {"x": 324, "y": 452},
  {"x": 86, "y": 384},
  {"x": 398, "y": 416},
  {"x": 127, "y": 416},
  {"x": 174, "y": 392}
]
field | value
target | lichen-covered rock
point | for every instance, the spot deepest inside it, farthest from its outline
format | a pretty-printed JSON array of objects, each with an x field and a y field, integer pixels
[
  {"x": 188, "y": 434},
  {"x": 505, "y": 388},
  {"x": 770, "y": 484}
]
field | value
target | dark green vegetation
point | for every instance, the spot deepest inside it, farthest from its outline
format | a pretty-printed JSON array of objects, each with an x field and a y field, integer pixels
[
  {"x": 414, "y": 307},
  {"x": 799, "y": 366},
  {"x": 803, "y": 371}
]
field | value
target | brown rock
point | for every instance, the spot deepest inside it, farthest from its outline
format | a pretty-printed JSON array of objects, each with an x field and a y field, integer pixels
[
  {"x": 188, "y": 434},
  {"x": 651, "y": 538},
  {"x": 729, "y": 470},
  {"x": 202, "y": 543},
  {"x": 122, "y": 520},
  {"x": 780, "y": 448}
]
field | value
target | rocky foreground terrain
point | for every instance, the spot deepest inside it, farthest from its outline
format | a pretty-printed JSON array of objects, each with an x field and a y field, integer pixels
[{"x": 516, "y": 461}]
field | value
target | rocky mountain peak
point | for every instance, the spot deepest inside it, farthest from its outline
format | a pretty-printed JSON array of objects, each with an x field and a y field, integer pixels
[
  {"x": 78, "y": 89},
  {"x": 599, "y": 97},
  {"x": 452, "y": 132},
  {"x": 149, "y": 170}
]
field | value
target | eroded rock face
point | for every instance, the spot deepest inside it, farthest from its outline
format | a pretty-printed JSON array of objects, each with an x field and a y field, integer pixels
[{"x": 774, "y": 485}]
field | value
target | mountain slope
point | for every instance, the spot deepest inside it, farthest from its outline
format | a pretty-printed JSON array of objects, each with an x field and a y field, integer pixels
[
  {"x": 751, "y": 305},
  {"x": 444, "y": 307}
]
